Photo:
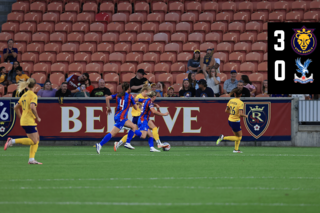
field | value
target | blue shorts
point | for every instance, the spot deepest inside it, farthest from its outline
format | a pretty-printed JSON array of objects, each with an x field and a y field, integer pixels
[
  {"x": 119, "y": 124},
  {"x": 135, "y": 120},
  {"x": 30, "y": 129},
  {"x": 143, "y": 126},
  {"x": 235, "y": 126}
]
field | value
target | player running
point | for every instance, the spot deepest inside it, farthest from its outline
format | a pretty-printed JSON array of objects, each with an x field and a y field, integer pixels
[
  {"x": 143, "y": 122},
  {"x": 235, "y": 109},
  {"x": 124, "y": 101},
  {"x": 136, "y": 114},
  {"x": 28, "y": 102}
]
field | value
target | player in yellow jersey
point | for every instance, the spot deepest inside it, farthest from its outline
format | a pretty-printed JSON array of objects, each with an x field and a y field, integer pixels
[
  {"x": 136, "y": 114},
  {"x": 235, "y": 109},
  {"x": 28, "y": 102}
]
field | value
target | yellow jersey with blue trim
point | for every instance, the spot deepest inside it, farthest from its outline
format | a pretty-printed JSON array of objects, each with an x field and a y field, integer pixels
[
  {"x": 136, "y": 113},
  {"x": 235, "y": 105},
  {"x": 28, "y": 118}
]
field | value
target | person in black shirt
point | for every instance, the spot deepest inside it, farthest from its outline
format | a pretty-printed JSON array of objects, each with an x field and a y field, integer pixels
[
  {"x": 137, "y": 82},
  {"x": 64, "y": 92},
  {"x": 187, "y": 90},
  {"x": 101, "y": 90},
  {"x": 245, "y": 91},
  {"x": 203, "y": 90}
]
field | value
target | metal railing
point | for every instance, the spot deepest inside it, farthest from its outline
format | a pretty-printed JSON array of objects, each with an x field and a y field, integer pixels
[{"x": 309, "y": 111}]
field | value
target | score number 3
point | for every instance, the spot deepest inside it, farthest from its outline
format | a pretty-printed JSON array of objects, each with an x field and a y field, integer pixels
[{"x": 279, "y": 47}]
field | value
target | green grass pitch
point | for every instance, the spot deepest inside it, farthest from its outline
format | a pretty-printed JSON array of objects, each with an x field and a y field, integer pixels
[{"x": 185, "y": 179}]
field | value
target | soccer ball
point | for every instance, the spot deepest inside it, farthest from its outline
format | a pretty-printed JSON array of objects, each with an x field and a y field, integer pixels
[{"x": 166, "y": 148}]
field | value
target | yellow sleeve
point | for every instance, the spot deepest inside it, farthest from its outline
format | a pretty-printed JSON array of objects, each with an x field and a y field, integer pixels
[
  {"x": 34, "y": 100},
  {"x": 241, "y": 106},
  {"x": 228, "y": 105},
  {"x": 17, "y": 78},
  {"x": 26, "y": 77},
  {"x": 20, "y": 101}
]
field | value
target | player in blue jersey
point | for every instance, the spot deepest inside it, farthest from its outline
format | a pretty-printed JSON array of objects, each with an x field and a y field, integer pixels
[
  {"x": 124, "y": 102},
  {"x": 147, "y": 109}
]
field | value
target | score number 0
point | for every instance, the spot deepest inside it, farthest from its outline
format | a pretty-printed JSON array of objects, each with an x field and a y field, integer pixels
[{"x": 279, "y": 47}]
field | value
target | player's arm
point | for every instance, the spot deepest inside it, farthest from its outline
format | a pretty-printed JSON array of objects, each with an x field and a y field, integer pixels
[
  {"x": 75, "y": 90},
  {"x": 108, "y": 102},
  {"x": 34, "y": 111},
  {"x": 17, "y": 108},
  {"x": 241, "y": 113},
  {"x": 134, "y": 104},
  {"x": 158, "y": 113},
  {"x": 227, "y": 110}
]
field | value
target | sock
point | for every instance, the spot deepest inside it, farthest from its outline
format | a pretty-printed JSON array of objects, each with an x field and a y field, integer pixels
[
  {"x": 130, "y": 136},
  {"x": 105, "y": 139},
  {"x": 237, "y": 144},
  {"x": 13, "y": 141},
  {"x": 150, "y": 141},
  {"x": 24, "y": 141},
  {"x": 31, "y": 159},
  {"x": 138, "y": 133},
  {"x": 124, "y": 138},
  {"x": 33, "y": 150},
  {"x": 155, "y": 134},
  {"x": 232, "y": 138},
  {"x": 158, "y": 142}
]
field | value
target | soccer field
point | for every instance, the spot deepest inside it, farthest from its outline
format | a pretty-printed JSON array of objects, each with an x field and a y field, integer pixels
[{"x": 185, "y": 179}]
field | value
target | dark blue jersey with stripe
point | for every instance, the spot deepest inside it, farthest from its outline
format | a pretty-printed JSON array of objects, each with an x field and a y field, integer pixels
[{"x": 123, "y": 105}]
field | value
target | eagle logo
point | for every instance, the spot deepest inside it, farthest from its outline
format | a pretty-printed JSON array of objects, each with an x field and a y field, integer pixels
[{"x": 303, "y": 69}]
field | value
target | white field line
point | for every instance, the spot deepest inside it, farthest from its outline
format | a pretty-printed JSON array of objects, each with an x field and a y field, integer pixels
[
  {"x": 158, "y": 178},
  {"x": 158, "y": 204},
  {"x": 159, "y": 187},
  {"x": 167, "y": 154}
]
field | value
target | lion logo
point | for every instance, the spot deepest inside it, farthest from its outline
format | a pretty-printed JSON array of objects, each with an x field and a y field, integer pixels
[{"x": 303, "y": 41}]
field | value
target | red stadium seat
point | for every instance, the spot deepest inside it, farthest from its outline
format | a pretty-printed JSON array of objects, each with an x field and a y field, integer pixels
[
  {"x": 150, "y": 28},
  {"x": 98, "y": 28},
  {"x": 184, "y": 58},
  {"x": 72, "y": 7},
  {"x": 28, "y": 27},
  {"x": 161, "y": 38},
  {"x": 94, "y": 78},
  {"x": 265, "y": 57},
  {"x": 181, "y": 77},
  {"x": 263, "y": 69},
  {"x": 110, "y": 38},
  {"x": 39, "y": 77},
  {"x": 247, "y": 68},
  {"x": 264, "y": 7},
  {"x": 207, "y": 45},
  {"x": 245, "y": 7},
  {"x": 116, "y": 28},
  {"x": 213, "y": 38},
  {"x": 176, "y": 7},
  {"x": 58, "y": 38},
  {"x": 195, "y": 8},
  {"x": 127, "y": 68},
  {"x": 148, "y": 68},
  {"x": 151, "y": 58},
  {"x": 134, "y": 58},
  {"x": 229, "y": 8},
  {"x": 120, "y": 18},
  {"x": 176, "y": 88},
  {"x": 179, "y": 38},
  {"x": 46, "y": 28},
  {"x": 300, "y": 7},
  {"x": 225, "y": 47},
  {"x": 133, "y": 28},
  {"x": 27, "y": 68},
  {"x": 260, "y": 47},
  {"x": 82, "y": 58},
  {"x": 189, "y": 18},
  {"x": 168, "y": 58},
  {"x": 92, "y": 38},
  {"x": 51, "y": 18},
  {"x": 76, "y": 68},
  {"x": 237, "y": 58},
  {"x": 224, "y": 18},
  {"x": 11, "y": 88},
  {"x": 236, "y": 27},
  {"x": 63, "y": 28},
  {"x": 142, "y": 8},
  {"x": 94, "y": 68},
  {"x": 90, "y": 8},
  {"x": 10, "y": 28},
  {"x": 166, "y": 28},
  {"x": 56, "y": 8},
  {"x": 117, "y": 58},
  {"x": 69, "y": 18},
  {"x": 59, "y": 68},
  {"x": 107, "y": 7},
  {"x": 111, "y": 68},
  {"x": 65, "y": 58},
  {"x": 144, "y": 38},
  {"x": 196, "y": 38},
  {"x": 260, "y": 17},
  {"x": 165, "y": 78},
  {"x": 38, "y": 7},
  {"x": 122, "y": 48},
  {"x": 57, "y": 78},
  {"x": 22, "y": 7},
  {"x": 75, "y": 38},
  {"x": 137, "y": 18},
  {"x": 172, "y": 47},
  {"x": 160, "y": 8},
  {"x": 242, "y": 17},
  {"x": 231, "y": 38},
  {"x": 176, "y": 69},
  {"x": 15, "y": 17},
  {"x": 125, "y": 8},
  {"x": 52, "y": 48},
  {"x": 211, "y": 7},
  {"x": 155, "y": 18},
  {"x": 311, "y": 16},
  {"x": 127, "y": 38},
  {"x": 183, "y": 27},
  {"x": 282, "y": 7},
  {"x": 219, "y": 27},
  {"x": 207, "y": 18},
  {"x": 30, "y": 58},
  {"x": 48, "y": 58},
  {"x": 156, "y": 48},
  {"x": 254, "y": 58},
  {"x": 257, "y": 80},
  {"x": 99, "y": 58},
  {"x": 248, "y": 37},
  {"x": 190, "y": 47},
  {"x": 277, "y": 17},
  {"x": 294, "y": 17},
  {"x": 85, "y": 17},
  {"x": 70, "y": 48},
  {"x": 173, "y": 18}
]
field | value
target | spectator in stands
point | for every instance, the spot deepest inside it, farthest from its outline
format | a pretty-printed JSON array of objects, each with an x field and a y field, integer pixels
[
  {"x": 210, "y": 61},
  {"x": 47, "y": 90},
  {"x": 231, "y": 83},
  {"x": 245, "y": 92},
  {"x": 21, "y": 76},
  {"x": 12, "y": 74},
  {"x": 187, "y": 90},
  {"x": 74, "y": 82},
  {"x": 17, "y": 94},
  {"x": 170, "y": 92},
  {"x": 194, "y": 63},
  {"x": 101, "y": 90},
  {"x": 301, "y": 97},
  {"x": 3, "y": 76},
  {"x": 265, "y": 87},
  {"x": 137, "y": 82},
  {"x": 212, "y": 78},
  {"x": 63, "y": 91},
  {"x": 192, "y": 80},
  {"x": 83, "y": 92},
  {"x": 158, "y": 88},
  {"x": 10, "y": 53},
  {"x": 247, "y": 84},
  {"x": 204, "y": 90},
  {"x": 89, "y": 87}
]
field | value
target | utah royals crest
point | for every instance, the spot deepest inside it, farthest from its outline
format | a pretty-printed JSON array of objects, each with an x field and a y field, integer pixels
[
  {"x": 259, "y": 117},
  {"x": 7, "y": 117}
]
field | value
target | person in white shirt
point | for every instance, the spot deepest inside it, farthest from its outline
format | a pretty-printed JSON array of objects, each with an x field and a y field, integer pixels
[{"x": 213, "y": 80}]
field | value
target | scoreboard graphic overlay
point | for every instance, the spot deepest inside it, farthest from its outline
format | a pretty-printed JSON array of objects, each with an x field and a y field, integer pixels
[{"x": 293, "y": 58}]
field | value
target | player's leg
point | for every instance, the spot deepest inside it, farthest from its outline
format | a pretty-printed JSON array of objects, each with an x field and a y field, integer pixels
[
  {"x": 23, "y": 141},
  {"x": 155, "y": 133},
  {"x": 235, "y": 128},
  {"x": 107, "y": 138},
  {"x": 34, "y": 148},
  {"x": 150, "y": 141},
  {"x": 124, "y": 138},
  {"x": 237, "y": 143},
  {"x": 131, "y": 133}
]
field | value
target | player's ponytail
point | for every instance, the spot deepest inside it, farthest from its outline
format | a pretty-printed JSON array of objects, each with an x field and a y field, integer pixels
[
  {"x": 22, "y": 85},
  {"x": 125, "y": 87},
  {"x": 145, "y": 87},
  {"x": 237, "y": 92},
  {"x": 151, "y": 94}
]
